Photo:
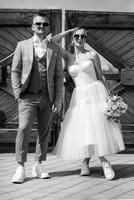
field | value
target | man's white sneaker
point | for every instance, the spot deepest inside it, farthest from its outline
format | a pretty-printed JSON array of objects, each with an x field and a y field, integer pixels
[
  {"x": 19, "y": 175},
  {"x": 38, "y": 171}
]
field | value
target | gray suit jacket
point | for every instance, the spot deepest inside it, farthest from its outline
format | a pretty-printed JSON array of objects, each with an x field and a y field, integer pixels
[{"x": 21, "y": 70}]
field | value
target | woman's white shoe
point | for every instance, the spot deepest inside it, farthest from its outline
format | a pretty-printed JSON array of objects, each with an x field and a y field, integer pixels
[
  {"x": 108, "y": 171},
  {"x": 85, "y": 171}
]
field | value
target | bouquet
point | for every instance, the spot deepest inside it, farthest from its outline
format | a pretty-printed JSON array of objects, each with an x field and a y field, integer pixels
[{"x": 114, "y": 107}]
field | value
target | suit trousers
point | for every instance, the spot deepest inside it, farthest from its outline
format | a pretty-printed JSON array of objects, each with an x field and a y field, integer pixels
[{"x": 29, "y": 107}]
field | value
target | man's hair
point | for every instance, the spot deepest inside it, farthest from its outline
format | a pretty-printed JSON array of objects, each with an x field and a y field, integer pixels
[{"x": 40, "y": 15}]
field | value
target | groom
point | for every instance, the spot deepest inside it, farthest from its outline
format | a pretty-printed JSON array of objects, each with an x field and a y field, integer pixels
[{"x": 37, "y": 81}]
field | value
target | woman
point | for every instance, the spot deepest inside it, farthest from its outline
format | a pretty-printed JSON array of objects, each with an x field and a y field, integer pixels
[{"x": 85, "y": 130}]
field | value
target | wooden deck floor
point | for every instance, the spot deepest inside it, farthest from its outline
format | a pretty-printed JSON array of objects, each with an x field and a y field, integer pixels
[{"x": 65, "y": 182}]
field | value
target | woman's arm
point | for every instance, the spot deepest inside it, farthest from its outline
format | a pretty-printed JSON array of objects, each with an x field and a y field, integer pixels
[
  {"x": 55, "y": 42},
  {"x": 57, "y": 38},
  {"x": 99, "y": 71}
]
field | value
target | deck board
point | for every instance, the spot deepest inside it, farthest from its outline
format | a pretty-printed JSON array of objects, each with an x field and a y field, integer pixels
[{"x": 65, "y": 182}]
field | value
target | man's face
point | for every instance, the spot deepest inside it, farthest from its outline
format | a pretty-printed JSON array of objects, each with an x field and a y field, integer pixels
[{"x": 41, "y": 25}]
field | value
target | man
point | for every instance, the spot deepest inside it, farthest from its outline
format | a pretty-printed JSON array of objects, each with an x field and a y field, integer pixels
[{"x": 37, "y": 81}]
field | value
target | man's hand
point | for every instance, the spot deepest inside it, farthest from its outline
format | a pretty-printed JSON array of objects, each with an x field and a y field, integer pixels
[{"x": 55, "y": 108}]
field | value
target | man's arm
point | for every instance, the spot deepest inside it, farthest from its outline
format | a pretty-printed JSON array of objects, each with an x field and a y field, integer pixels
[
  {"x": 16, "y": 71},
  {"x": 58, "y": 81}
]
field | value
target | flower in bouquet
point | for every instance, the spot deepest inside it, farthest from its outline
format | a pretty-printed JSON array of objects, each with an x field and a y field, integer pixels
[{"x": 114, "y": 107}]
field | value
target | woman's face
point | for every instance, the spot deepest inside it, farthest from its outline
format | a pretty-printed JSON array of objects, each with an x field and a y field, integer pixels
[{"x": 79, "y": 37}]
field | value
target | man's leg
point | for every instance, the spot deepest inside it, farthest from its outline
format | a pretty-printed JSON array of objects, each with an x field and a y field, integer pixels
[
  {"x": 44, "y": 119},
  {"x": 44, "y": 123},
  {"x": 26, "y": 118}
]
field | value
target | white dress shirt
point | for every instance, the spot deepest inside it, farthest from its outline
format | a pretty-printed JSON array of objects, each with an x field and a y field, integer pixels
[{"x": 39, "y": 46}]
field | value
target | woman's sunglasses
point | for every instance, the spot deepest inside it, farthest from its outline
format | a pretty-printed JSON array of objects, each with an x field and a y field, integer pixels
[
  {"x": 80, "y": 36},
  {"x": 42, "y": 23}
]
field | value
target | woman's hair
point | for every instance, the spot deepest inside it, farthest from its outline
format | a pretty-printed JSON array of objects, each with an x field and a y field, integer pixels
[{"x": 79, "y": 28}]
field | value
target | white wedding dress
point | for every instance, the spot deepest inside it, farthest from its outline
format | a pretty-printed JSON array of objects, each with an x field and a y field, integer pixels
[{"x": 85, "y": 130}]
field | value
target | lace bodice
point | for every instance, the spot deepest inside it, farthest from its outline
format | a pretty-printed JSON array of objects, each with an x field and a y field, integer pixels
[{"x": 83, "y": 73}]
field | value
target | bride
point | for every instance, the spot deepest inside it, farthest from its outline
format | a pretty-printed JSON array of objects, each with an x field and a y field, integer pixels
[{"x": 85, "y": 130}]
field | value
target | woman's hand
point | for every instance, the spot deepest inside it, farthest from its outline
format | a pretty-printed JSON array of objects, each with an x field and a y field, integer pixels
[
  {"x": 53, "y": 44},
  {"x": 73, "y": 29}
]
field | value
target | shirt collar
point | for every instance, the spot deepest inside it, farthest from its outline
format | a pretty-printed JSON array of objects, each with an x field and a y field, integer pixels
[{"x": 37, "y": 42}]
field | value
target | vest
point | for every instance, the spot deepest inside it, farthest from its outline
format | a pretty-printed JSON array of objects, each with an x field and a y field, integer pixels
[{"x": 38, "y": 77}]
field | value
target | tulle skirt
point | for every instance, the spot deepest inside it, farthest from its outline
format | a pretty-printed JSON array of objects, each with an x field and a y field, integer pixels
[{"x": 85, "y": 130}]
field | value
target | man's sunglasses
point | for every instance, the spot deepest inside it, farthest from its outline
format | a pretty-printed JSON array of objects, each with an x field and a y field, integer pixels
[
  {"x": 80, "y": 36},
  {"x": 42, "y": 23}
]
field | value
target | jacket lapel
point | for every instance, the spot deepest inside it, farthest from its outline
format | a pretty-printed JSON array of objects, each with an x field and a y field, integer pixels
[
  {"x": 49, "y": 54},
  {"x": 30, "y": 49}
]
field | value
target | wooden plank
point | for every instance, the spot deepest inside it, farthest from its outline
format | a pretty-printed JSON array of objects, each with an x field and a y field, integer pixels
[
  {"x": 117, "y": 88},
  {"x": 117, "y": 37},
  {"x": 130, "y": 62},
  {"x": 94, "y": 19},
  {"x": 10, "y": 37},
  {"x": 56, "y": 22},
  {"x": 124, "y": 50},
  {"x": 124, "y": 35},
  {"x": 15, "y": 124},
  {"x": 128, "y": 137},
  {"x": 4, "y": 62},
  {"x": 8, "y": 104},
  {"x": 112, "y": 76},
  {"x": 4, "y": 49},
  {"x": 6, "y": 40},
  {"x": 129, "y": 54},
  {"x": 110, "y": 36},
  {"x": 100, "y": 33},
  {"x": 126, "y": 41},
  {"x": 126, "y": 127},
  {"x": 22, "y": 17},
  {"x": 105, "y": 53},
  {"x": 9, "y": 135},
  {"x": 116, "y": 34}
]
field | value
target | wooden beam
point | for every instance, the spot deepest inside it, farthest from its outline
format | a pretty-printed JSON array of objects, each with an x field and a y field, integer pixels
[
  {"x": 22, "y": 17},
  {"x": 117, "y": 88},
  {"x": 6, "y": 61},
  {"x": 95, "y": 19},
  {"x": 112, "y": 76}
]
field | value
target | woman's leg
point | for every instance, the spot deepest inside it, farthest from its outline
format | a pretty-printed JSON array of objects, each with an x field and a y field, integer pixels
[
  {"x": 86, "y": 160},
  {"x": 85, "y": 171},
  {"x": 103, "y": 159}
]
